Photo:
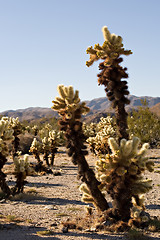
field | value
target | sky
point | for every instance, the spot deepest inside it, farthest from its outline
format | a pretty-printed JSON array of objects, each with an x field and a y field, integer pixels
[{"x": 43, "y": 44}]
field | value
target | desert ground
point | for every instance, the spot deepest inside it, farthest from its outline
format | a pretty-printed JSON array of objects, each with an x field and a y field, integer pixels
[{"x": 50, "y": 199}]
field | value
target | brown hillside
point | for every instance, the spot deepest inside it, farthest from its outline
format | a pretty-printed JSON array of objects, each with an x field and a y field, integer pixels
[{"x": 156, "y": 109}]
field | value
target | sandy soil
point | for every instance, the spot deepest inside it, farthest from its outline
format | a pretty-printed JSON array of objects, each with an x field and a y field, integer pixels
[{"x": 49, "y": 200}]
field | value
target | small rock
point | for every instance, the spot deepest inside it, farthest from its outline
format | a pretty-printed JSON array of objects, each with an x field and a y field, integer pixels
[
  {"x": 87, "y": 230},
  {"x": 93, "y": 229},
  {"x": 65, "y": 229},
  {"x": 53, "y": 224},
  {"x": 50, "y": 207}
]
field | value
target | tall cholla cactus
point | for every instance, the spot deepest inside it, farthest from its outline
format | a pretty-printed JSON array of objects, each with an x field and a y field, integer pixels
[
  {"x": 105, "y": 130},
  {"x": 70, "y": 109},
  {"x": 22, "y": 170},
  {"x": 6, "y": 134},
  {"x": 120, "y": 172},
  {"x": 18, "y": 129},
  {"x": 111, "y": 75}
]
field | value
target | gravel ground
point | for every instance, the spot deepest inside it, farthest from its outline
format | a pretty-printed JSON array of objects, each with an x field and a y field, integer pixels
[{"x": 49, "y": 200}]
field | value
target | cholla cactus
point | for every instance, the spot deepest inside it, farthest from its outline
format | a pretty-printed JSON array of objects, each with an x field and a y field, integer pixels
[
  {"x": 105, "y": 130},
  {"x": 111, "y": 75},
  {"x": 90, "y": 130},
  {"x": 22, "y": 170},
  {"x": 121, "y": 174},
  {"x": 46, "y": 149},
  {"x": 55, "y": 138},
  {"x": 70, "y": 109},
  {"x": 44, "y": 132},
  {"x": 34, "y": 129},
  {"x": 35, "y": 148},
  {"x": 18, "y": 129},
  {"x": 6, "y": 134}
]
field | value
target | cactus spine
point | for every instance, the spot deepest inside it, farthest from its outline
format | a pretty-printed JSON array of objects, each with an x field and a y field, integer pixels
[{"x": 70, "y": 109}]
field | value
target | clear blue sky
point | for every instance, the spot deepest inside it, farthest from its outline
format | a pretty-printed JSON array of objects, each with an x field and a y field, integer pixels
[{"x": 43, "y": 43}]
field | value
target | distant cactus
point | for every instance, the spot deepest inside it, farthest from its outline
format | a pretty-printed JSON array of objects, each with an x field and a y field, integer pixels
[
  {"x": 17, "y": 127},
  {"x": 6, "y": 134},
  {"x": 105, "y": 130},
  {"x": 22, "y": 170},
  {"x": 35, "y": 149},
  {"x": 70, "y": 109}
]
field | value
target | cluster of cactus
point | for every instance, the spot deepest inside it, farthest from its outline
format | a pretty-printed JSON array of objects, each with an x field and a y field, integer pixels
[
  {"x": 22, "y": 170},
  {"x": 120, "y": 174},
  {"x": 70, "y": 109},
  {"x": 47, "y": 144},
  {"x": 105, "y": 129}
]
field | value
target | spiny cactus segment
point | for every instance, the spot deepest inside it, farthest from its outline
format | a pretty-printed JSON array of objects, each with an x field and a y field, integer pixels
[
  {"x": 111, "y": 49},
  {"x": 68, "y": 103}
]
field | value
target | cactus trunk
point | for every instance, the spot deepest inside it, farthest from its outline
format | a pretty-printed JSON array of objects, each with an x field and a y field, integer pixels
[
  {"x": 15, "y": 145},
  {"x": 110, "y": 77},
  {"x": 78, "y": 151},
  {"x": 121, "y": 121},
  {"x": 19, "y": 184}
]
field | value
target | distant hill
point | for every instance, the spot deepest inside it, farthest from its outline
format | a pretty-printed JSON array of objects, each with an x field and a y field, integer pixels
[
  {"x": 99, "y": 107},
  {"x": 31, "y": 113},
  {"x": 103, "y": 103}
]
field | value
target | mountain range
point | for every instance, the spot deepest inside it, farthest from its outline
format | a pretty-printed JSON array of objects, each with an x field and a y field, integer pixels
[{"x": 98, "y": 106}]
